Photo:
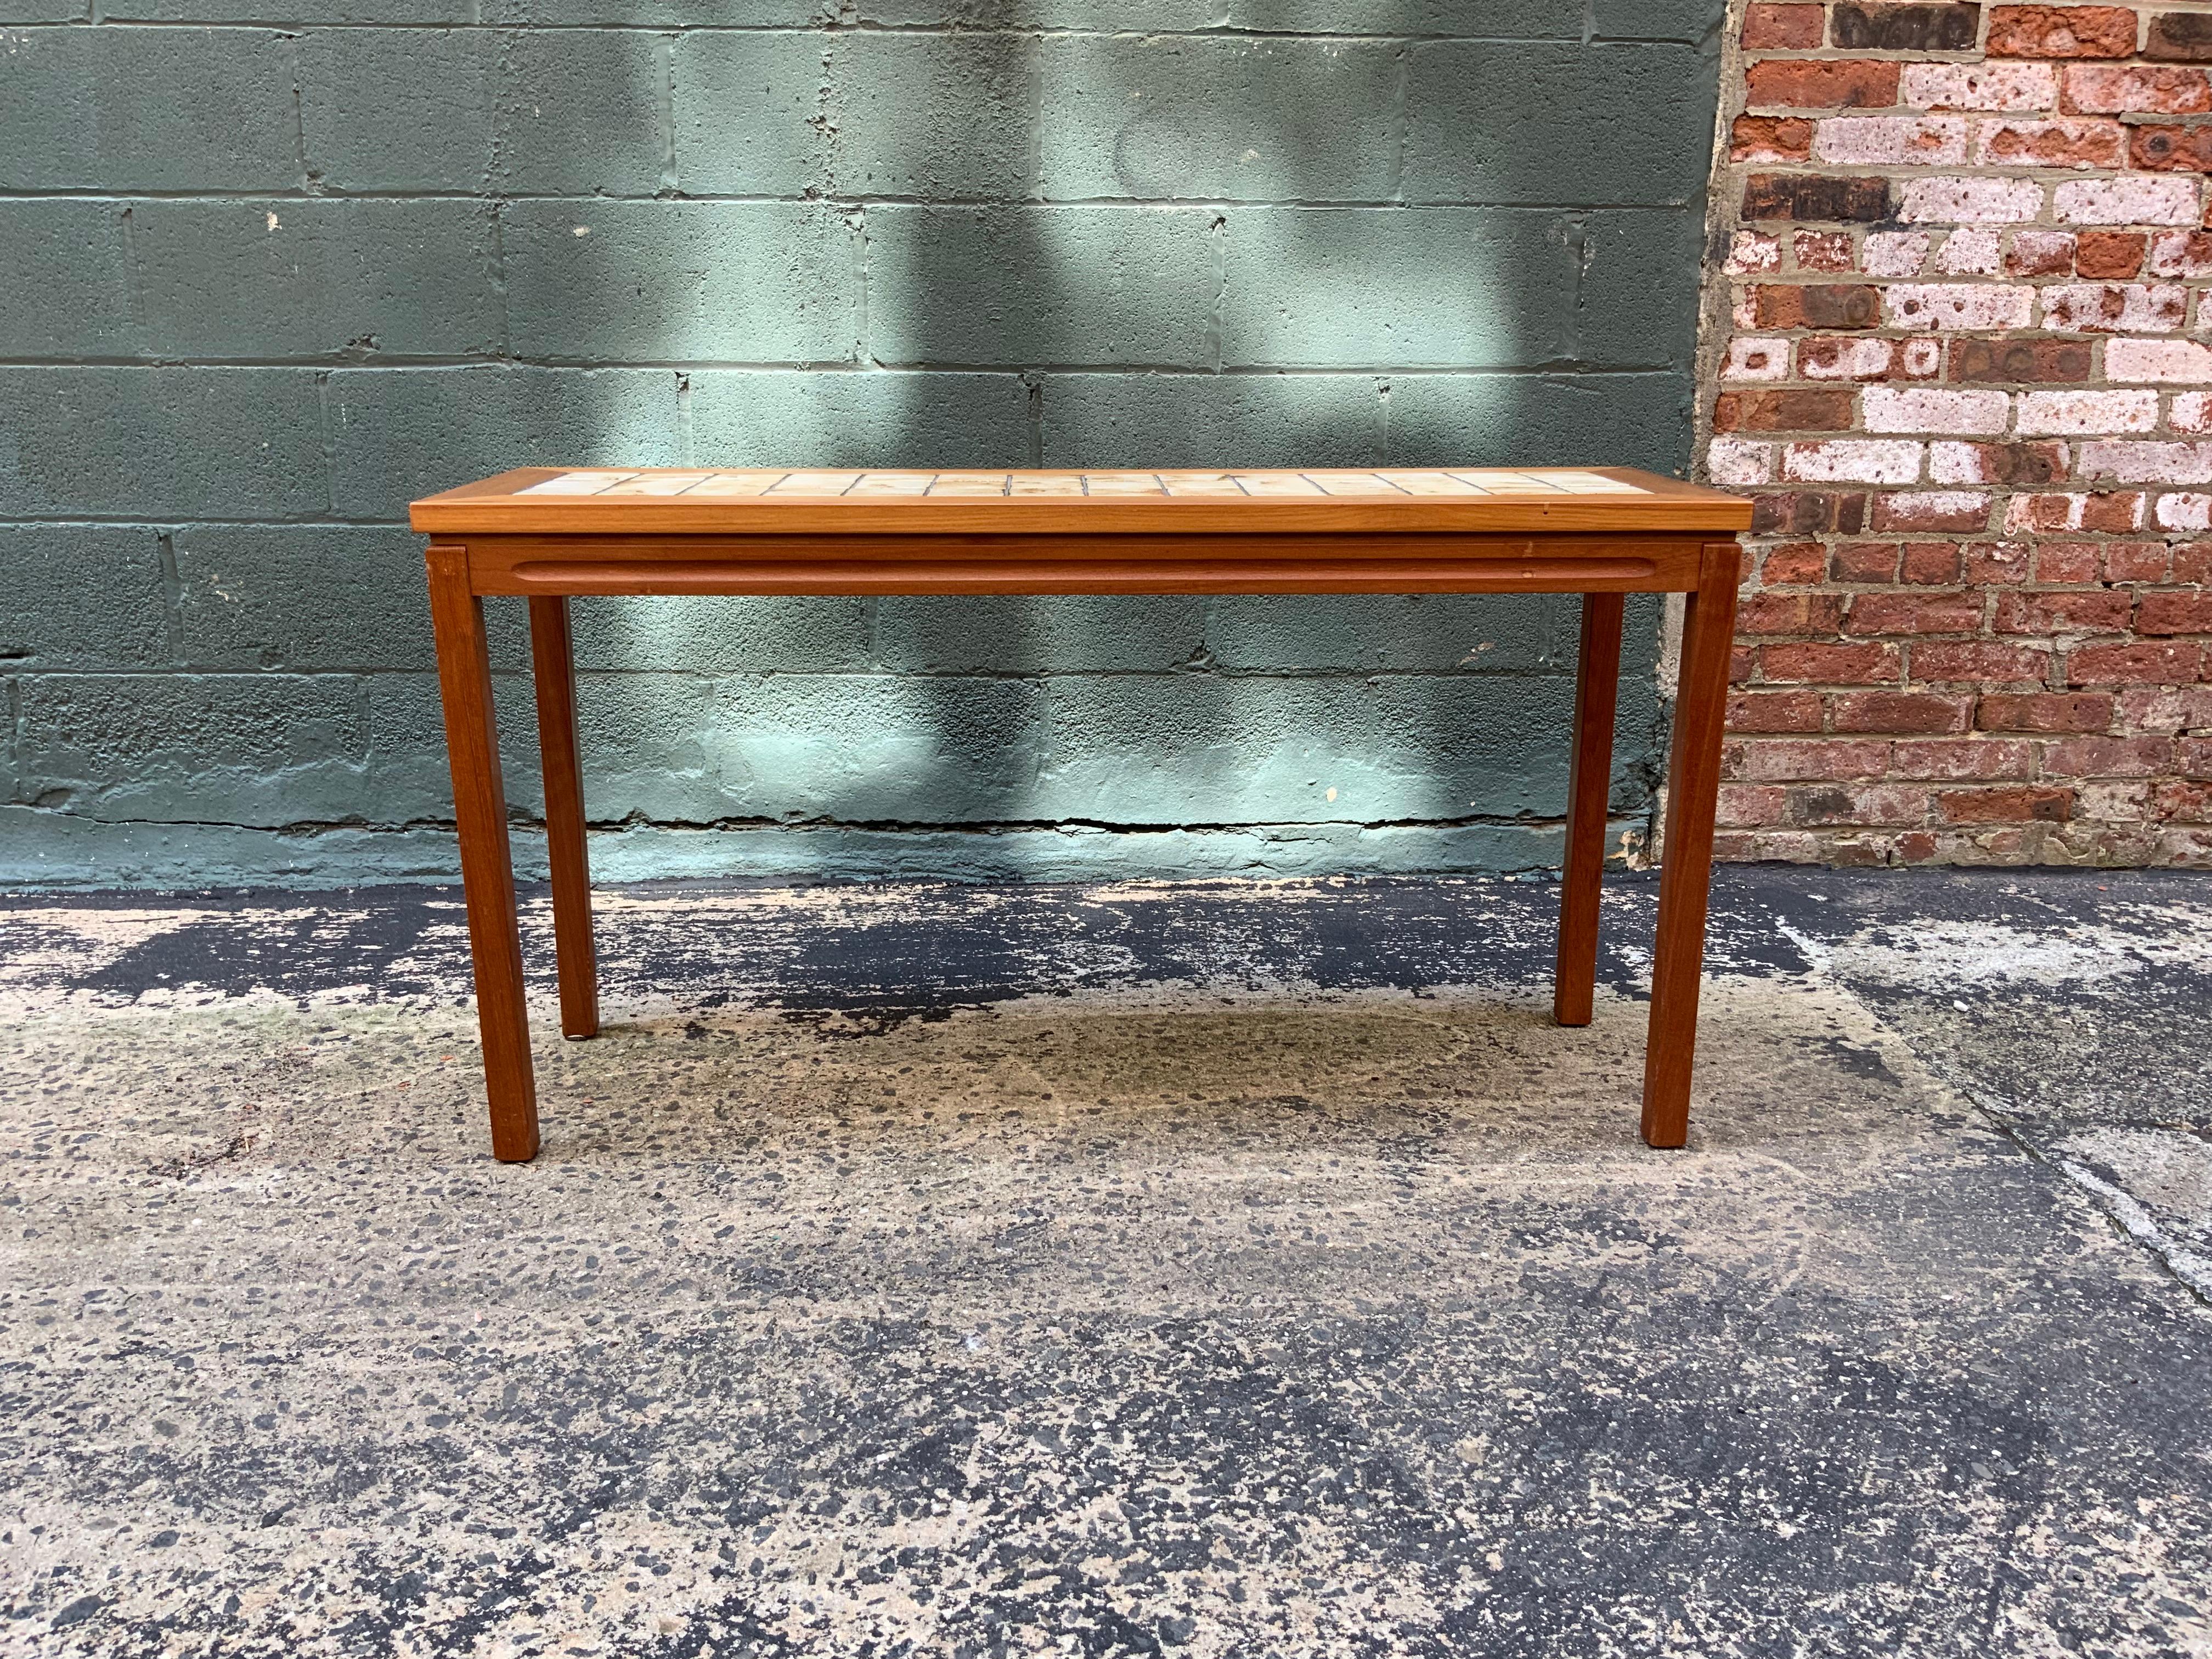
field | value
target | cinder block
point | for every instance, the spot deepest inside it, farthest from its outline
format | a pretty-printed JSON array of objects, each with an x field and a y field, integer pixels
[
  {"x": 399, "y": 433},
  {"x": 161, "y": 443},
  {"x": 748, "y": 110},
  {"x": 1536, "y": 419},
  {"x": 774, "y": 418},
  {"x": 405, "y": 728},
  {"x": 1638, "y": 304},
  {"x": 1167, "y": 116},
  {"x": 1557, "y": 123},
  {"x": 530, "y": 112},
  {"x": 1393, "y": 633},
  {"x": 1074, "y": 634},
  {"x": 122, "y": 109},
  {"x": 314, "y": 278},
  {"x": 1040, "y": 285},
  {"x": 1212, "y": 420},
  {"x": 680, "y": 282},
  {"x": 65, "y": 271},
  {"x": 932, "y": 116},
  {"x": 253, "y": 749},
  {"x": 1490, "y": 19},
  {"x": 800, "y": 636},
  {"x": 82, "y": 596},
  {"x": 1210, "y": 749},
  {"x": 316, "y": 598},
  {"x": 1146, "y": 16},
  {"x": 287, "y": 12},
  {"x": 1694, "y": 22},
  {"x": 44, "y": 11},
  {"x": 1386, "y": 288},
  {"x": 726, "y": 14}
]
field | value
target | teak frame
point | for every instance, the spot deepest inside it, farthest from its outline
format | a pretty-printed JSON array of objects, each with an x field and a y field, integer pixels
[{"x": 488, "y": 539}]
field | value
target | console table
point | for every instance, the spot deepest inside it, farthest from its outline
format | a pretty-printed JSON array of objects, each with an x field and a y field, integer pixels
[{"x": 548, "y": 533}]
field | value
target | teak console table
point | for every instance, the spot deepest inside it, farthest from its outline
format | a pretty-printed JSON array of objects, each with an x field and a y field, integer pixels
[{"x": 547, "y": 533}]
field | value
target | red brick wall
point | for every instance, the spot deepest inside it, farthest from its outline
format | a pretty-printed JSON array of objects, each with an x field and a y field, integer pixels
[{"x": 1958, "y": 354}]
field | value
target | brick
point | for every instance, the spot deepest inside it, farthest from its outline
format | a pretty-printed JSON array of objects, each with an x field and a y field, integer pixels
[
  {"x": 1861, "y": 663},
  {"x": 1783, "y": 614},
  {"x": 1783, "y": 28},
  {"x": 2021, "y": 804},
  {"x": 1817, "y": 305},
  {"x": 1951, "y": 759},
  {"x": 1914, "y": 613},
  {"x": 1848, "y": 460},
  {"x": 1787, "y": 761},
  {"x": 2135, "y": 561},
  {"x": 2045, "y": 712},
  {"x": 1899, "y": 711},
  {"x": 76, "y": 112},
  {"x": 65, "y": 270},
  {"x": 1979, "y": 86},
  {"x": 2059, "y": 143},
  {"x": 1957, "y": 305},
  {"x": 2180, "y": 37},
  {"x": 1756, "y": 360},
  {"x": 2174, "y": 613},
  {"x": 1113, "y": 284},
  {"x": 2066, "y": 562},
  {"x": 1750, "y": 253},
  {"x": 2096, "y": 611},
  {"x": 1971, "y": 252},
  {"x": 1794, "y": 83},
  {"x": 1807, "y": 513},
  {"x": 2171, "y": 148},
  {"x": 1971, "y": 201},
  {"x": 1996, "y": 464},
  {"x": 2108, "y": 757},
  {"x": 1994, "y": 564},
  {"x": 1895, "y": 252},
  {"x": 2114, "y": 308},
  {"x": 1823, "y": 250},
  {"x": 2180, "y": 798},
  {"x": 1925, "y": 408},
  {"x": 2166, "y": 709},
  {"x": 1792, "y": 562},
  {"x": 1742, "y": 804},
  {"x": 1816, "y": 199},
  {"x": 1891, "y": 141},
  {"x": 318, "y": 278},
  {"x": 1208, "y": 125},
  {"x": 1872, "y": 26},
  {"x": 2111, "y": 255},
  {"x": 2193, "y": 562},
  {"x": 1971, "y": 660},
  {"x": 83, "y": 596},
  {"x": 1734, "y": 463},
  {"x": 1465, "y": 141},
  {"x": 234, "y": 443},
  {"x": 2147, "y": 462},
  {"x": 2080, "y": 510},
  {"x": 2020, "y": 361},
  {"x": 1774, "y": 711},
  {"x": 2062, "y": 31},
  {"x": 1784, "y": 411},
  {"x": 2133, "y": 200},
  {"x": 1963, "y": 511},
  {"x": 2182, "y": 361},
  {"x": 1864, "y": 562},
  {"x": 2136, "y": 89},
  {"x": 1863, "y": 803},
  {"x": 1846, "y": 359},
  {"x": 2181, "y": 253},
  {"x": 2188, "y": 510},
  {"x": 2050, "y": 413},
  {"x": 2040, "y": 253},
  {"x": 1769, "y": 138},
  {"x": 1933, "y": 564},
  {"x": 616, "y": 282}
]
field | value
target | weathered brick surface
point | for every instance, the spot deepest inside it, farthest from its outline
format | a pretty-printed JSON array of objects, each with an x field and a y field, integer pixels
[
  {"x": 1956, "y": 358},
  {"x": 273, "y": 267}
]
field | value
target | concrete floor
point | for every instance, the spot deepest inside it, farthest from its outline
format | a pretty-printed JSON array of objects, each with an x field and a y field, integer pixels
[{"x": 1212, "y": 1271}]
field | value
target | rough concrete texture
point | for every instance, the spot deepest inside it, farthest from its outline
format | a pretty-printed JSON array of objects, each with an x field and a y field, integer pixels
[
  {"x": 1231, "y": 1270},
  {"x": 275, "y": 269}
]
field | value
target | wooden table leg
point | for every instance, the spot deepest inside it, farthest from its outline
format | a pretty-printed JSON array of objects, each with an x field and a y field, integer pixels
[
  {"x": 1589, "y": 784},
  {"x": 1693, "y": 778},
  {"x": 486, "y": 874},
  {"x": 553, "y": 662}
]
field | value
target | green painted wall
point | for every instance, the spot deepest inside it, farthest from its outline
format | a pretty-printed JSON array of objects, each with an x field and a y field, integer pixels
[{"x": 270, "y": 279}]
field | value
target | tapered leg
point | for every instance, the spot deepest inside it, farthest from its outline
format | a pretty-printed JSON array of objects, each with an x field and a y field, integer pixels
[
  {"x": 554, "y": 665},
  {"x": 487, "y": 875},
  {"x": 1597, "y": 682},
  {"x": 1693, "y": 779}
]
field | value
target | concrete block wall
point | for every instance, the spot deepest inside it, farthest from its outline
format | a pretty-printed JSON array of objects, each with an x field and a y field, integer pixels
[
  {"x": 275, "y": 268},
  {"x": 1956, "y": 351}
]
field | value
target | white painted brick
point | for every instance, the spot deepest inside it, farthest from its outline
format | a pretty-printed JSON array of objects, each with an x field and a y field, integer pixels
[
  {"x": 2136, "y": 198},
  {"x": 1923, "y": 409},
  {"x": 1957, "y": 304},
  {"x": 2168, "y": 361},
  {"x": 2180, "y": 253},
  {"x": 1846, "y": 358},
  {"x": 1931, "y": 509},
  {"x": 1980, "y": 86},
  {"x": 1971, "y": 201},
  {"x": 1922, "y": 358},
  {"x": 1972, "y": 463},
  {"x": 2192, "y": 412},
  {"x": 1970, "y": 252},
  {"x": 1853, "y": 460},
  {"x": 1895, "y": 252},
  {"x": 2184, "y": 510},
  {"x": 2050, "y": 414},
  {"x": 2115, "y": 307},
  {"x": 1882, "y": 141},
  {"x": 1734, "y": 463},
  {"x": 1751, "y": 254},
  {"x": 1755, "y": 359},
  {"x": 2147, "y": 462}
]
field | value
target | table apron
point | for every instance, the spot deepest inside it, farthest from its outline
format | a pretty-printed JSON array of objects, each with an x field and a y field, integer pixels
[{"x": 1097, "y": 564}]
